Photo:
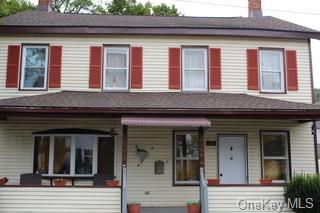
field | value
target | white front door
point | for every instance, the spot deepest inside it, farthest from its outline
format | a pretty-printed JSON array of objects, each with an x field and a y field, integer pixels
[{"x": 232, "y": 159}]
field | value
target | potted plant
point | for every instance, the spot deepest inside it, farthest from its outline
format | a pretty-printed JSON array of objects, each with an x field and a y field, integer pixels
[
  {"x": 193, "y": 207},
  {"x": 60, "y": 182},
  {"x": 213, "y": 181},
  {"x": 112, "y": 183},
  {"x": 3, "y": 181},
  {"x": 266, "y": 181},
  {"x": 134, "y": 207}
]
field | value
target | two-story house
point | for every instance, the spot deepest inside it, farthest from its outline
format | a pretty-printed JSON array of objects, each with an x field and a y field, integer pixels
[{"x": 162, "y": 103}]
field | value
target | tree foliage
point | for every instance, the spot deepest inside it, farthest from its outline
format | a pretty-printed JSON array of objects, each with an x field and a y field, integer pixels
[
  {"x": 9, "y": 7},
  {"x": 72, "y": 6},
  {"x": 317, "y": 95}
]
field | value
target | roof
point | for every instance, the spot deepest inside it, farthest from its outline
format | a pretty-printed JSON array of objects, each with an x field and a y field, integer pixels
[
  {"x": 53, "y": 22},
  {"x": 173, "y": 103}
]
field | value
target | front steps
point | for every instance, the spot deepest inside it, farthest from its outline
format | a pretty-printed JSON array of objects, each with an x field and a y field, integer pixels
[{"x": 164, "y": 209}]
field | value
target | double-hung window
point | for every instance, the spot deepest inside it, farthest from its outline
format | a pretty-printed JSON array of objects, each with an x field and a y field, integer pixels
[
  {"x": 186, "y": 157},
  {"x": 34, "y": 70},
  {"x": 272, "y": 71},
  {"x": 195, "y": 69},
  {"x": 275, "y": 161},
  {"x": 116, "y": 68}
]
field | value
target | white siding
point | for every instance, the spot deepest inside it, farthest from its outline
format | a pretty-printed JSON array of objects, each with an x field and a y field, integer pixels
[
  {"x": 56, "y": 199},
  {"x": 227, "y": 199},
  {"x": 75, "y": 61}
]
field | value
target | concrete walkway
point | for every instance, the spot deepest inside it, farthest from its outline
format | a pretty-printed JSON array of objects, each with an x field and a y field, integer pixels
[{"x": 164, "y": 210}]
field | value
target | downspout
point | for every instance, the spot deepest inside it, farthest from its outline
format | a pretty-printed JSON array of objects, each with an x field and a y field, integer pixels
[{"x": 315, "y": 136}]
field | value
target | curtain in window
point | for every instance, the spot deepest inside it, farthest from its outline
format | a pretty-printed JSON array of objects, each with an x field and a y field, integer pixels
[
  {"x": 42, "y": 145},
  {"x": 116, "y": 71},
  {"x": 62, "y": 155},
  {"x": 271, "y": 70},
  {"x": 194, "y": 69}
]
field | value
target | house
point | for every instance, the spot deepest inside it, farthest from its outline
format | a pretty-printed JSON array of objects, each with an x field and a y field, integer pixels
[{"x": 162, "y": 103}]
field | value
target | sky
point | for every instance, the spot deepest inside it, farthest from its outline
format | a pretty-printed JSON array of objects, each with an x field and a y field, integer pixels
[{"x": 309, "y": 15}]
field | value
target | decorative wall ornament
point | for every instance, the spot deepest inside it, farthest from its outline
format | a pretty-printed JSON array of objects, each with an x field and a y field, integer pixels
[{"x": 142, "y": 154}]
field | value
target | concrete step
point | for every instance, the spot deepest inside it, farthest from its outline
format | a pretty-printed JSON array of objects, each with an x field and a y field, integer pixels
[{"x": 181, "y": 209}]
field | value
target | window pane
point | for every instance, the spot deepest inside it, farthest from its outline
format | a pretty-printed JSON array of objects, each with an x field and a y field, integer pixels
[
  {"x": 195, "y": 79},
  {"x": 36, "y": 57},
  {"x": 34, "y": 77},
  {"x": 116, "y": 58},
  {"x": 194, "y": 59},
  {"x": 271, "y": 60},
  {"x": 42, "y": 154},
  {"x": 187, "y": 146},
  {"x": 271, "y": 80},
  {"x": 116, "y": 78},
  {"x": 187, "y": 170},
  {"x": 62, "y": 147},
  {"x": 275, "y": 169},
  {"x": 84, "y": 154},
  {"x": 106, "y": 156},
  {"x": 274, "y": 145}
]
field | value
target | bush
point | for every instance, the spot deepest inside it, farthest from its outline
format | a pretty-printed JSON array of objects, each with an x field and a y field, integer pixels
[{"x": 304, "y": 190}]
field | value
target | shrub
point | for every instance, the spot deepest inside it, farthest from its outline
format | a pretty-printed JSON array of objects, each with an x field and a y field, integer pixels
[{"x": 301, "y": 190}]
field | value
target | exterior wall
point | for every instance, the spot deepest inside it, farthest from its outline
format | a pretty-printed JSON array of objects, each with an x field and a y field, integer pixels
[
  {"x": 227, "y": 199},
  {"x": 75, "y": 61},
  {"x": 46, "y": 199},
  {"x": 16, "y": 148}
]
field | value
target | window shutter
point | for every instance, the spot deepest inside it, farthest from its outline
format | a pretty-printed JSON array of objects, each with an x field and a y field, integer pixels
[
  {"x": 136, "y": 67},
  {"x": 252, "y": 69},
  {"x": 174, "y": 68},
  {"x": 292, "y": 70},
  {"x": 95, "y": 67},
  {"x": 55, "y": 67},
  {"x": 13, "y": 66},
  {"x": 215, "y": 68}
]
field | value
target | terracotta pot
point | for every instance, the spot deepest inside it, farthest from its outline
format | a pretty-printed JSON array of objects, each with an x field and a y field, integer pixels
[
  {"x": 134, "y": 208},
  {"x": 213, "y": 181},
  {"x": 112, "y": 183},
  {"x": 60, "y": 183},
  {"x": 265, "y": 182},
  {"x": 3, "y": 181},
  {"x": 194, "y": 208}
]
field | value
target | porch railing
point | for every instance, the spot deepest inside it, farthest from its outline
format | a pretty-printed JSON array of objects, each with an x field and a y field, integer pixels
[
  {"x": 203, "y": 192},
  {"x": 124, "y": 190}
]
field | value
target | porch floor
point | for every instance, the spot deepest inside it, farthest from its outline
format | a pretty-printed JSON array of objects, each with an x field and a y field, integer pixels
[{"x": 164, "y": 209}]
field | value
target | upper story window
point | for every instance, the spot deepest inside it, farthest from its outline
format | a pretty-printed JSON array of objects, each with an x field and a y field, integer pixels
[
  {"x": 116, "y": 68},
  {"x": 34, "y": 70},
  {"x": 272, "y": 71},
  {"x": 195, "y": 69}
]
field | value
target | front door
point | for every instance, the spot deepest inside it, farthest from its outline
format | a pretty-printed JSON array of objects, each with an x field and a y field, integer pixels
[{"x": 232, "y": 159}]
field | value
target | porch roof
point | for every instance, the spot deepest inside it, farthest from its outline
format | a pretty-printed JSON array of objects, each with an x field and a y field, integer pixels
[{"x": 161, "y": 103}]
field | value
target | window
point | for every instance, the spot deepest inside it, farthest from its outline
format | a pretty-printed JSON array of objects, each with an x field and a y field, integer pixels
[
  {"x": 116, "y": 66},
  {"x": 271, "y": 71},
  {"x": 186, "y": 146},
  {"x": 73, "y": 155},
  {"x": 195, "y": 69},
  {"x": 34, "y": 67},
  {"x": 275, "y": 160}
]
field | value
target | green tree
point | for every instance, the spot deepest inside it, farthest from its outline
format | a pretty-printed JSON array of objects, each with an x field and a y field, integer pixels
[
  {"x": 317, "y": 95},
  {"x": 165, "y": 10},
  {"x": 9, "y": 7},
  {"x": 73, "y": 6}
]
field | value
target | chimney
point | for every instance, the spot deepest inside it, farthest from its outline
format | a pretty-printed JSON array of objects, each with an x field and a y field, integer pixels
[
  {"x": 255, "y": 8},
  {"x": 45, "y": 5}
]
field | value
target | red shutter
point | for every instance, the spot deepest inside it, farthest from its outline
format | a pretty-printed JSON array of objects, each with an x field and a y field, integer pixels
[
  {"x": 252, "y": 69},
  {"x": 13, "y": 66},
  {"x": 292, "y": 70},
  {"x": 215, "y": 68},
  {"x": 174, "y": 68},
  {"x": 95, "y": 67},
  {"x": 136, "y": 67},
  {"x": 55, "y": 67}
]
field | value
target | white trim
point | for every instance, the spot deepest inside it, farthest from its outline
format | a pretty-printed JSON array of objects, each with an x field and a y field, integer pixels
[
  {"x": 23, "y": 68},
  {"x": 205, "y": 51},
  {"x": 105, "y": 68},
  {"x": 281, "y": 71}
]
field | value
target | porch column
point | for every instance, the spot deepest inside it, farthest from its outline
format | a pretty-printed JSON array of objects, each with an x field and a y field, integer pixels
[
  {"x": 201, "y": 148},
  {"x": 124, "y": 169},
  {"x": 124, "y": 145}
]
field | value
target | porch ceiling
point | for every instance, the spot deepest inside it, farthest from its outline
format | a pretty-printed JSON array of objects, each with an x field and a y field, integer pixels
[{"x": 165, "y": 122}]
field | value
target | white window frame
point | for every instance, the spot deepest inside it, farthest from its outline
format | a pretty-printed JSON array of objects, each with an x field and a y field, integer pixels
[
  {"x": 176, "y": 182},
  {"x": 72, "y": 154},
  {"x": 105, "y": 68},
  {"x": 286, "y": 157},
  {"x": 205, "y": 51},
  {"x": 23, "y": 66},
  {"x": 281, "y": 71}
]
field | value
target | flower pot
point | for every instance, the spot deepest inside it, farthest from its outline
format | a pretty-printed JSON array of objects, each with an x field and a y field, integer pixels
[
  {"x": 112, "y": 183},
  {"x": 194, "y": 208},
  {"x": 3, "y": 181},
  {"x": 134, "y": 208},
  {"x": 213, "y": 181},
  {"x": 60, "y": 183},
  {"x": 265, "y": 182}
]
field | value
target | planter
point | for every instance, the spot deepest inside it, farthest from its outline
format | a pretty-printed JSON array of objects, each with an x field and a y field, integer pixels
[
  {"x": 3, "y": 181},
  {"x": 265, "y": 182},
  {"x": 194, "y": 208},
  {"x": 112, "y": 183},
  {"x": 134, "y": 208},
  {"x": 60, "y": 182},
  {"x": 213, "y": 181}
]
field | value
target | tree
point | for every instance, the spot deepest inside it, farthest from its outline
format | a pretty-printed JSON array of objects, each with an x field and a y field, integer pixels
[
  {"x": 317, "y": 95},
  {"x": 9, "y": 7},
  {"x": 165, "y": 10},
  {"x": 72, "y": 6}
]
